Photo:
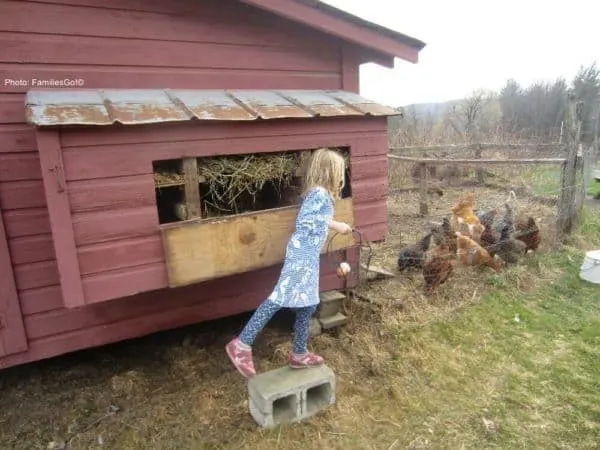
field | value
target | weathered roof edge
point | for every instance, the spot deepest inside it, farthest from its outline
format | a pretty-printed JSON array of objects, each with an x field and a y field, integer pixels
[
  {"x": 390, "y": 42},
  {"x": 101, "y": 107}
]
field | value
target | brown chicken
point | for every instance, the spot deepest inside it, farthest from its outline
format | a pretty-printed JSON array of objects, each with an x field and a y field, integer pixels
[
  {"x": 438, "y": 267},
  {"x": 489, "y": 239},
  {"x": 529, "y": 233},
  {"x": 464, "y": 208},
  {"x": 470, "y": 253}
]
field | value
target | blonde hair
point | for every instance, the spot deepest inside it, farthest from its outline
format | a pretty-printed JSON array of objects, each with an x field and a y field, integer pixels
[{"x": 326, "y": 168}]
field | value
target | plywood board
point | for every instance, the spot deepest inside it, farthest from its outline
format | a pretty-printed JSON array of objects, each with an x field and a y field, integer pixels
[{"x": 201, "y": 250}]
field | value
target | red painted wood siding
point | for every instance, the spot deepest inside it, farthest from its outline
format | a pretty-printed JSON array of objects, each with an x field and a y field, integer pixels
[
  {"x": 111, "y": 195},
  {"x": 185, "y": 44},
  {"x": 44, "y": 39}
]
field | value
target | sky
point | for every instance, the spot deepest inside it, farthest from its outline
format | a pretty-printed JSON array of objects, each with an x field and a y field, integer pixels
[{"x": 478, "y": 45}]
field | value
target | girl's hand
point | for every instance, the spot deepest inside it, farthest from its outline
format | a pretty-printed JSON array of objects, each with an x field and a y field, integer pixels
[{"x": 341, "y": 227}]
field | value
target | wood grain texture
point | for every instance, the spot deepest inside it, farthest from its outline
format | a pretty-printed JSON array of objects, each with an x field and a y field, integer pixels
[
  {"x": 201, "y": 250},
  {"x": 22, "y": 195},
  {"x": 27, "y": 222},
  {"x": 367, "y": 131},
  {"x": 132, "y": 77},
  {"x": 19, "y": 137},
  {"x": 223, "y": 27},
  {"x": 59, "y": 49},
  {"x": 12, "y": 106},
  {"x": 19, "y": 166},
  {"x": 30, "y": 249},
  {"x": 104, "y": 162},
  {"x": 12, "y": 329},
  {"x": 55, "y": 188}
]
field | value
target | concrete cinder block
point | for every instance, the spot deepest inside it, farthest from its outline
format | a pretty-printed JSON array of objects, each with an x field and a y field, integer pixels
[
  {"x": 330, "y": 303},
  {"x": 333, "y": 321},
  {"x": 288, "y": 395}
]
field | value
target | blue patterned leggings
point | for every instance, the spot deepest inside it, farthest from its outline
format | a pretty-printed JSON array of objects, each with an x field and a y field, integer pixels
[{"x": 265, "y": 312}]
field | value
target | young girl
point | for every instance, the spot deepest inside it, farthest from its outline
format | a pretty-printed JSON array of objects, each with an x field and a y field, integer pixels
[{"x": 298, "y": 285}]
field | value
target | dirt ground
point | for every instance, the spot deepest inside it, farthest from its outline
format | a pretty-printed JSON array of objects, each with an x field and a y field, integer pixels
[{"x": 178, "y": 390}]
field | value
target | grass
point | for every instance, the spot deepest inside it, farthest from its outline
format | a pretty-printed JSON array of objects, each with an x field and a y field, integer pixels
[{"x": 515, "y": 366}]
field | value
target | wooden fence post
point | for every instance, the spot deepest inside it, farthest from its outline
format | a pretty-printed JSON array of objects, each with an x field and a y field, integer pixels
[
  {"x": 569, "y": 204},
  {"x": 480, "y": 172},
  {"x": 423, "y": 208}
]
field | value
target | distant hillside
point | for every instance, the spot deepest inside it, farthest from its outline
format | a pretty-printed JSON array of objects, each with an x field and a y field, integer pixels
[{"x": 433, "y": 109}]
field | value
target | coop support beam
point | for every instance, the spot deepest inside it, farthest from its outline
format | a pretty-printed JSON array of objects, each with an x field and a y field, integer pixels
[
  {"x": 192, "y": 188},
  {"x": 59, "y": 210}
]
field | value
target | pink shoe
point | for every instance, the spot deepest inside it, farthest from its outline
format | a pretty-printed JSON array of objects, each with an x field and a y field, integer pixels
[
  {"x": 307, "y": 360},
  {"x": 241, "y": 358}
]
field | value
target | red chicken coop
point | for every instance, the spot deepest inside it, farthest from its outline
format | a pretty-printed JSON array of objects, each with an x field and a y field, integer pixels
[{"x": 151, "y": 155}]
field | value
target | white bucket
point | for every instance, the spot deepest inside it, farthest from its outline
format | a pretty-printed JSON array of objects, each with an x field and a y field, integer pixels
[{"x": 590, "y": 268}]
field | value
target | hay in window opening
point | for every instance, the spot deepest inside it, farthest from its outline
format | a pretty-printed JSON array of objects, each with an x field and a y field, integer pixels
[{"x": 234, "y": 183}]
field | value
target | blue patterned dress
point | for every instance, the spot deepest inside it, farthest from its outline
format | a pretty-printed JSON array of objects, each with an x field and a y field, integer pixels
[{"x": 298, "y": 284}]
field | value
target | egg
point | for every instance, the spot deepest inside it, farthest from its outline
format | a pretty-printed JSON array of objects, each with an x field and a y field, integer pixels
[{"x": 343, "y": 269}]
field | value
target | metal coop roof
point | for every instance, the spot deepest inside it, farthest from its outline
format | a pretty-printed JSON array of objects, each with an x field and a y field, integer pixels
[{"x": 133, "y": 107}]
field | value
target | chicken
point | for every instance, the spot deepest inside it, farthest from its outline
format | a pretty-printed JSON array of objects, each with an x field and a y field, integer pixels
[
  {"x": 508, "y": 248},
  {"x": 508, "y": 219},
  {"x": 464, "y": 208},
  {"x": 487, "y": 218},
  {"x": 489, "y": 239},
  {"x": 438, "y": 267},
  {"x": 443, "y": 233},
  {"x": 529, "y": 233},
  {"x": 474, "y": 231},
  {"x": 413, "y": 255},
  {"x": 470, "y": 253}
]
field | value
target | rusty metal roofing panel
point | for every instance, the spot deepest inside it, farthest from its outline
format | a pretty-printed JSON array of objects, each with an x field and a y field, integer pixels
[
  {"x": 270, "y": 105},
  {"x": 212, "y": 105},
  {"x": 321, "y": 104},
  {"x": 142, "y": 106}
]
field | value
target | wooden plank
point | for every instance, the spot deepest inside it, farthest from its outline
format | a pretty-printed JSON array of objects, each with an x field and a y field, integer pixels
[
  {"x": 368, "y": 133},
  {"x": 12, "y": 330},
  {"x": 105, "y": 194},
  {"x": 205, "y": 23},
  {"x": 192, "y": 188},
  {"x": 12, "y": 106},
  {"x": 26, "y": 222},
  {"x": 17, "y": 138},
  {"x": 38, "y": 300},
  {"x": 20, "y": 166},
  {"x": 30, "y": 249},
  {"x": 107, "y": 161},
  {"x": 478, "y": 162},
  {"x": 22, "y": 194},
  {"x": 55, "y": 189},
  {"x": 124, "y": 282},
  {"x": 121, "y": 254},
  {"x": 61, "y": 50},
  {"x": 130, "y": 77},
  {"x": 102, "y": 226},
  {"x": 201, "y": 250},
  {"x": 36, "y": 275}
]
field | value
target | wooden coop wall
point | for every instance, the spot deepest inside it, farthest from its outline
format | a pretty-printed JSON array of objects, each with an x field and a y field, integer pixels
[
  {"x": 118, "y": 249},
  {"x": 218, "y": 44}
]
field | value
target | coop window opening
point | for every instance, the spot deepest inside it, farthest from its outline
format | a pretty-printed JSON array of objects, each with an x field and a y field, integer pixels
[{"x": 226, "y": 185}]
